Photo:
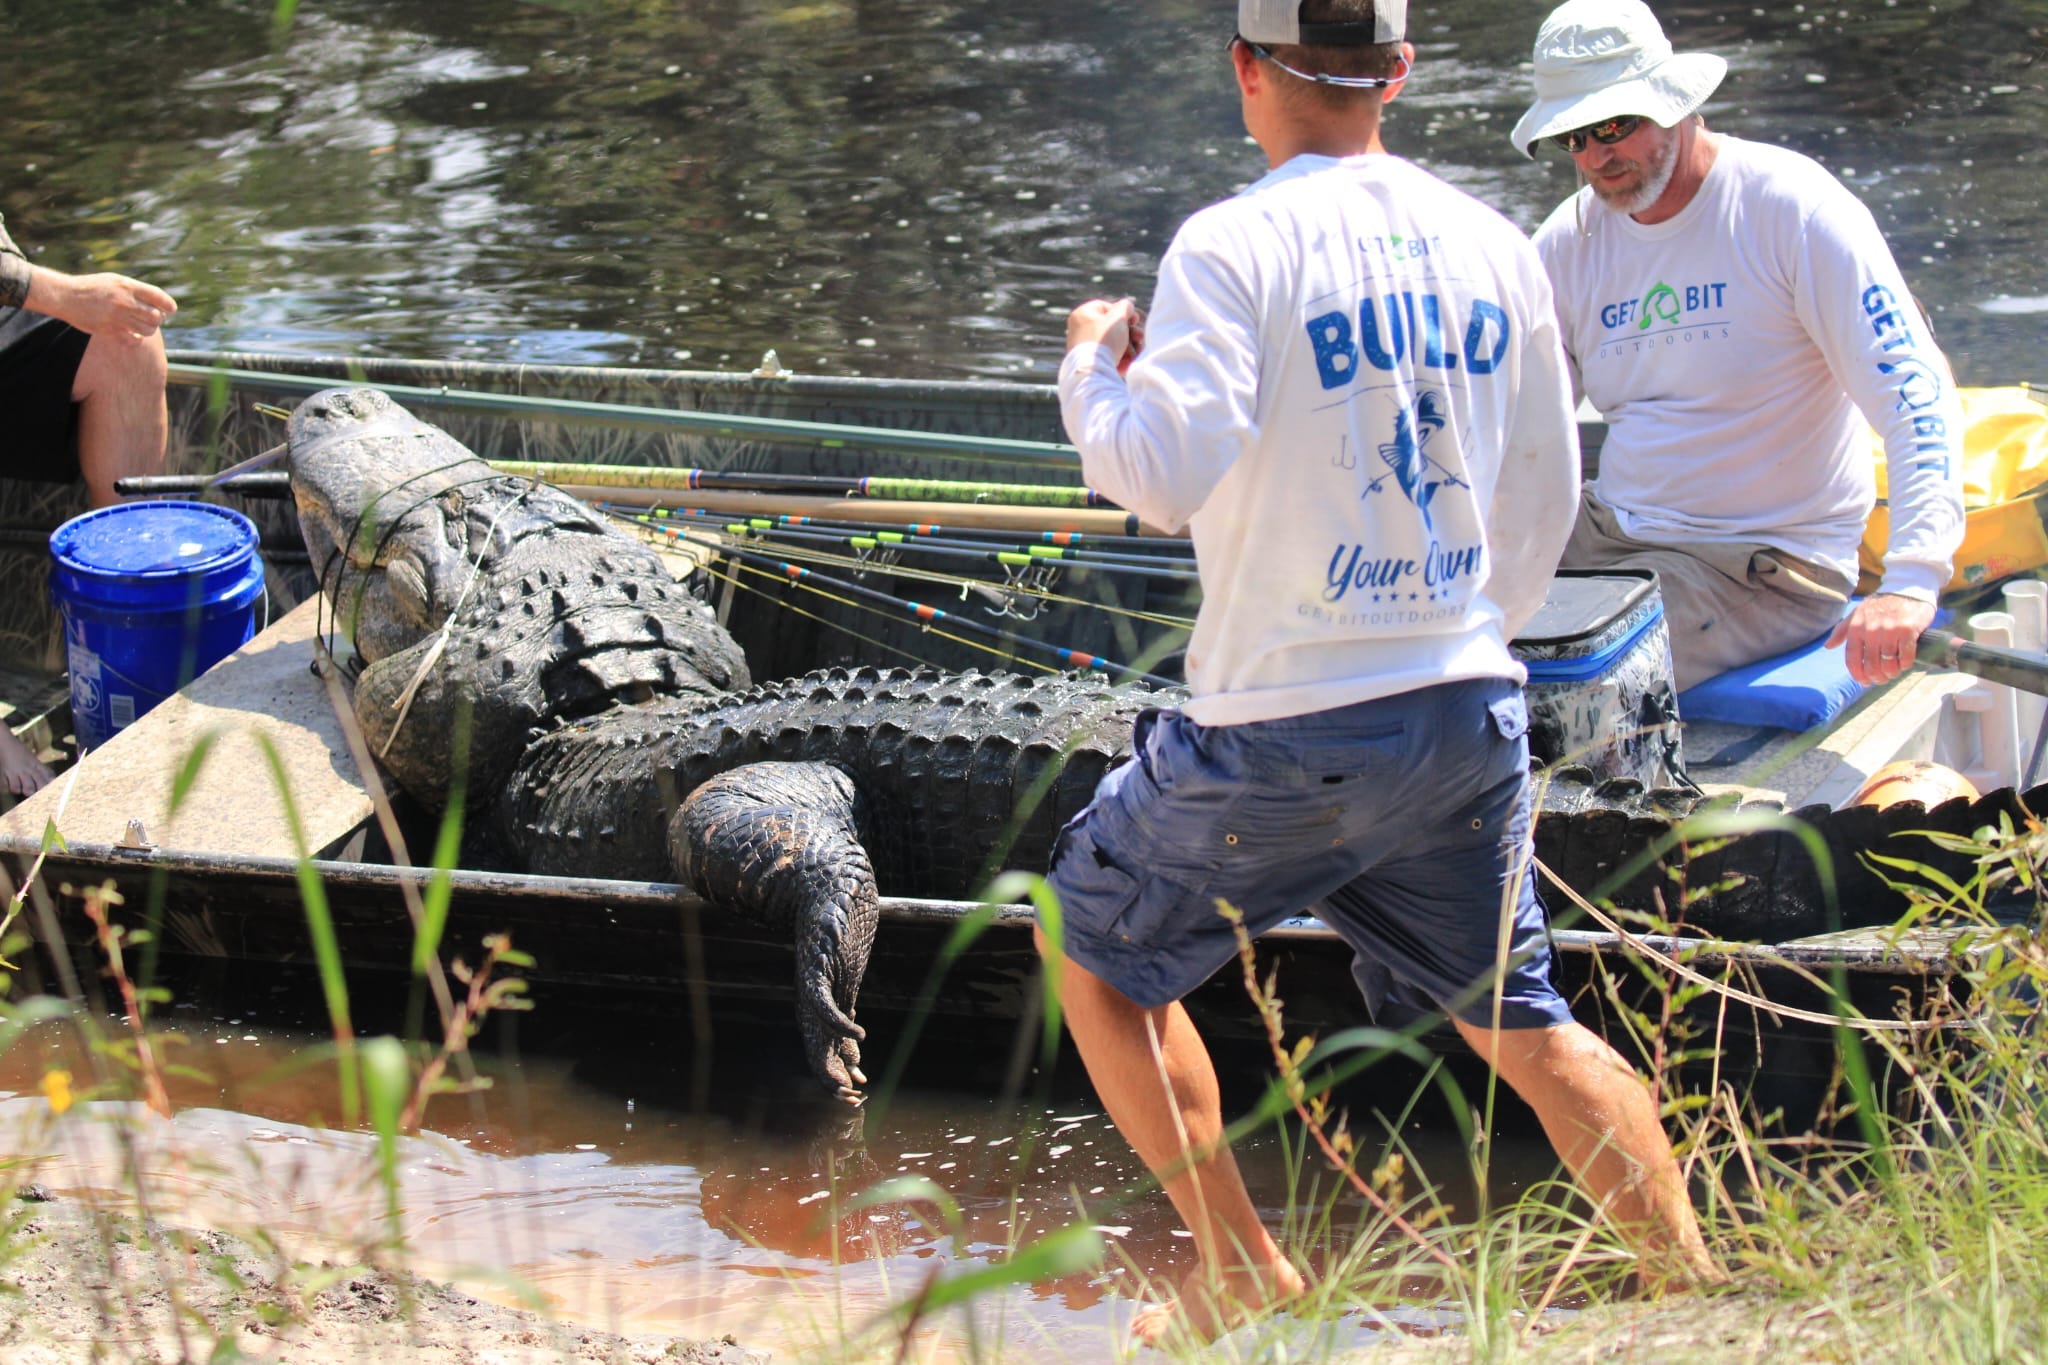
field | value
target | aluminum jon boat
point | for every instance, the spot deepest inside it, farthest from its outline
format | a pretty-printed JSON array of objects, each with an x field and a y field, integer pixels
[{"x": 225, "y": 881}]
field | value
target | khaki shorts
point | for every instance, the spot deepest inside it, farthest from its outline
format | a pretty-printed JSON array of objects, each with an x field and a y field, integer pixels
[{"x": 1729, "y": 603}]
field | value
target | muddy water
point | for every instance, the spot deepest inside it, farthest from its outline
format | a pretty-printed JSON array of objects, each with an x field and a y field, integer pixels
[{"x": 606, "y": 1190}]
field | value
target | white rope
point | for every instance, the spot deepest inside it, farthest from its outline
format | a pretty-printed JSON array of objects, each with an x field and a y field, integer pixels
[
  {"x": 1770, "y": 1007},
  {"x": 403, "y": 703}
]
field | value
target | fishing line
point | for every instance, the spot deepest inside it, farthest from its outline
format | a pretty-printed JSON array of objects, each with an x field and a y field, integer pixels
[
  {"x": 980, "y": 554},
  {"x": 780, "y": 599},
  {"x": 923, "y": 613},
  {"x": 731, "y": 576},
  {"x": 1157, "y": 565},
  {"x": 1771, "y": 1007},
  {"x": 717, "y": 540},
  {"x": 355, "y": 531}
]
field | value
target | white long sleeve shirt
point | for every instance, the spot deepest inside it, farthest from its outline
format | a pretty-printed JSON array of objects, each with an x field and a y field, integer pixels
[
  {"x": 1352, "y": 391},
  {"x": 1731, "y": 349}
]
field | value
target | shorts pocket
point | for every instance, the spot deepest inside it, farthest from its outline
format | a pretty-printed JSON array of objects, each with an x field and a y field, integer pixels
[
  {"x": 1103, "y": 902},
  {"x": 1510, "y": 716}
]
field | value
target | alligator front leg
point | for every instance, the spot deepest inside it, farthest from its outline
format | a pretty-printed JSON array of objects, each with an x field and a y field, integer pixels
[{"x": 780, "y": 842}]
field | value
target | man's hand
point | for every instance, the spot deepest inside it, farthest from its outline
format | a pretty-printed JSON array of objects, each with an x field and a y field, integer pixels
[
  {"x": 1118, "y": 325},
  {"x": 1878, "y": 638},
  {"x": 104, "y": 305}
]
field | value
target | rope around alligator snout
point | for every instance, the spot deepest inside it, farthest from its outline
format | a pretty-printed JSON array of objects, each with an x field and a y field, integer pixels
[
  {"x": 1722, "y": 988},
  {"x": 403, "y": 703}
]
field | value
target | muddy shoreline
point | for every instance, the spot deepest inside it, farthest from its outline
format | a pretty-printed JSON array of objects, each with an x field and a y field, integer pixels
[{"x": 82, "y": 1285}]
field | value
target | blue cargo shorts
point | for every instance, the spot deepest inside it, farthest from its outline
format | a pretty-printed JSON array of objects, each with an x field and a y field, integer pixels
[{"x": 1402, "y": 823}]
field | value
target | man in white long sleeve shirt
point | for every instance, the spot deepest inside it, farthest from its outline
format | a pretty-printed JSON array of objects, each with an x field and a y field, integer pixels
[
  {"x": 1736, "y": 316},
  {"x": 1351, "y": 389}
]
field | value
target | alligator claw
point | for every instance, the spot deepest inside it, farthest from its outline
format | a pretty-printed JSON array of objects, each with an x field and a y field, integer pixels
[{"x": 837, "y": 1065}]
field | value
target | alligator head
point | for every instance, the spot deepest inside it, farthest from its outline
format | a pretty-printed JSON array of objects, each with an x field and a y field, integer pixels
[{"x": 483, "y": 607}]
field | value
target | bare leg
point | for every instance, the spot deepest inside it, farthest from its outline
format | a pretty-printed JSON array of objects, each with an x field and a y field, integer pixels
[
  {"x": 1153, "y": 1073},
  {"x": 1601, "y": 1121},
  {"x": 21, "y": 772},
  {"x": 122, "y": 426}
]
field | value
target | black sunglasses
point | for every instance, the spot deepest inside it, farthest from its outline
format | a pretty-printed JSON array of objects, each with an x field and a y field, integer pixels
[
  {"x": 1606, "y": 132},
  {"x": 1265, "y": 54}
]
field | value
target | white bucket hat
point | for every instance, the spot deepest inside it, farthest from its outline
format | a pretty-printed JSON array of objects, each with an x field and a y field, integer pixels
[{"x": 1601, "y": 59}]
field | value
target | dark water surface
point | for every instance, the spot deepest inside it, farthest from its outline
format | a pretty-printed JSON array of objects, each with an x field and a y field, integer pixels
[{"x": 870, "y": 186}]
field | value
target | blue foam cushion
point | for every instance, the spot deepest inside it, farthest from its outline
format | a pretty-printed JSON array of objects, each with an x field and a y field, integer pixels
[{"x": 1796, "y": 690}]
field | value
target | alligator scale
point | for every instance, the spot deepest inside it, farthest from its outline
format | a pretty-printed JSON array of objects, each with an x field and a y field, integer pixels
[{"x": 598, "y": 721}]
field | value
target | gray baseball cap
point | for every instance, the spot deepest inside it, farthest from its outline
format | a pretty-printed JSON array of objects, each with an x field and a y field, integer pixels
[{"x": 1279, "y": 21}]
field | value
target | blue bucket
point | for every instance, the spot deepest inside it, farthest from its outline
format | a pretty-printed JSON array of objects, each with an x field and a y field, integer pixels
[{"x": 152, "y": 595}]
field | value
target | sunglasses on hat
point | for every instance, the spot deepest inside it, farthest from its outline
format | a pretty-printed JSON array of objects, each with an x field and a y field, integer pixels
[{"x": 1606, "y": 132}]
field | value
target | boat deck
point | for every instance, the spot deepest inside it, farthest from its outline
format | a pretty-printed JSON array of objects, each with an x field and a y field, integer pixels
[
  {"x": 1903, "y": 719},
  {"x": 258, "y": 713}
]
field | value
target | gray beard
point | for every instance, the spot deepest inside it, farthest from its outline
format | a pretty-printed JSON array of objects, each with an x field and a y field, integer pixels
[{"x": 1654, "y": 184}]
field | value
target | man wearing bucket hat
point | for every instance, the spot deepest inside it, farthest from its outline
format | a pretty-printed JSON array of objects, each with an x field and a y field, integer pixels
[
  {"x": 1351, "y": 390},
  {"x": 81, "y": 374},
  {"x": 1731, "y": 309}
]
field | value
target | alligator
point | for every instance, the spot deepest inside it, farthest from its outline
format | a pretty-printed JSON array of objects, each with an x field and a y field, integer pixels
[{"x": 518, "y": 651}]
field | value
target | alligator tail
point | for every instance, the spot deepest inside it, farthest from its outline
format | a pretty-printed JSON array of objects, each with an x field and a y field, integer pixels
[{"x": 781, "y": 844}]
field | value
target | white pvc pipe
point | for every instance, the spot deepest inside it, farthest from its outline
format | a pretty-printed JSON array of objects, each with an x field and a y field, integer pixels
[
  {"x": 2026, "y": 601},
  {"x": 1999, "y": 725}
]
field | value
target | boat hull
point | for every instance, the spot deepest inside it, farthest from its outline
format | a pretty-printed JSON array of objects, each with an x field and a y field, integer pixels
[{"x": 652, "y": 949}]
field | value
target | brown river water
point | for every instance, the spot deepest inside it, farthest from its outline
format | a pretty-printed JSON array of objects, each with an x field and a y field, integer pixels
[
  {"x": 909, "y": 188},
  {"x": 599, "y": 1180}
]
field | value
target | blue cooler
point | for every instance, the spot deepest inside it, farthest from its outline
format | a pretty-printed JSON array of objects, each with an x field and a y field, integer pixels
[
  {"x": 1602, "y": 693},
  {"x": 152, "y": 594}
]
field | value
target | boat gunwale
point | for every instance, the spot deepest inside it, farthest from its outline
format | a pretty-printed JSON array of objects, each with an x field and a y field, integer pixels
[{"x": 1877, "y": 956}]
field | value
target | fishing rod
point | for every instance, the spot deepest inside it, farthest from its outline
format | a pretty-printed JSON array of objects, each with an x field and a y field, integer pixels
[
  {"x": 1009, "y": 559},
  {"x": 924, "y": 613},
  {"x": 929, "y": 615},
  {"x": 275, "y": 483},
  {"x": 2015, "y": 668},
  {"x": 885, "y": 487},
  {"x": 830, "y": 435},
  {"x": 1000, "y": 598},
  {"x": 1090, "y": 520},
  {"x": 271, "y": 483},
  {"x": 1010, "y": 553},
  {"x": 1095, "y": 522},
  {"x": 1151, "y": 549}
]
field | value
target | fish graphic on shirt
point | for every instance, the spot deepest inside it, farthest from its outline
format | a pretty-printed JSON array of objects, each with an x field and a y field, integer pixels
[{"x": 1407, "y": 460}]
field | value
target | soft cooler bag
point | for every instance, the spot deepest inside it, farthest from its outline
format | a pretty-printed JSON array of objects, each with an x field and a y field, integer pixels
[{"x": 1601, "y": 687}]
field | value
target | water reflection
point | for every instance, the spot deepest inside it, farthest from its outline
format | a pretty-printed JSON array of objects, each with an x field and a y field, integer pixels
[
  {"x": 620, "y": 1211},
  {"x": 595, "y": 1186},
  {"x": 870, "y": 186}
]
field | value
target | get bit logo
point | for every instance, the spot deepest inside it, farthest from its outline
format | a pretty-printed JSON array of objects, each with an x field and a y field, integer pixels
[
  {"x": 1667, "y": 314},
  {"x": 1663, "y": 303}
]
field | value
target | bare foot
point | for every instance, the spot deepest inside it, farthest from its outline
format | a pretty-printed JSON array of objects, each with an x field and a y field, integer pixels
[
  {"x": 1210, "y": 1304},
  {"x": 1677, "y": 1271},
  {"x": 21, "y": 772}
]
